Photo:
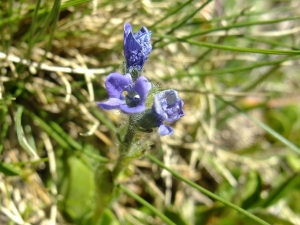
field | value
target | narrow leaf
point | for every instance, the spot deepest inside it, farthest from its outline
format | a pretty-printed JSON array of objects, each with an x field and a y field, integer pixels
[{"x": 9, "y": 169}]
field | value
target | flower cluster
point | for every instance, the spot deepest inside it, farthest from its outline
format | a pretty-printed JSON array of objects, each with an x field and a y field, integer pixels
[{"x": 129, "y": 93}]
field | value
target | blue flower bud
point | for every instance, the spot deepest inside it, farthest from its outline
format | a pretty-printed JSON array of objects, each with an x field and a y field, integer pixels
[{"x": 137, "y": 47}]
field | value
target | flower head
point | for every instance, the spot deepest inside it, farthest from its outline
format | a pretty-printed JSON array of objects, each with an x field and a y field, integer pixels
[
  {"x": 168, "y": 107},
  {"x": 137, "y": 47},
  {"x": 124, "y": 94}
]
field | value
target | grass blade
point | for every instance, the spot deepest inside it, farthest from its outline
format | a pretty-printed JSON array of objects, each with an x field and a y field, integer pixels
[
  {"x": 145, "y": 203},
  {"x": 206, "y": 192}
]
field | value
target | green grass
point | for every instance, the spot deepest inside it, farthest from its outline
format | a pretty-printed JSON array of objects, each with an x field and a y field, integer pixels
[{"x": 234, "y": 156}]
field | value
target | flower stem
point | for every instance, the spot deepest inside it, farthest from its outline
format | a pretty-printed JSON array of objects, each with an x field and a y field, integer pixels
[
  {"x": 123, "y": 159},
  {"x": 105, "y": 179}
]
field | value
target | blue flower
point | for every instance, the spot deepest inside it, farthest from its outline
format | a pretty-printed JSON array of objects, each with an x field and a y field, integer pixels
[
  {"x": 167, "y": 107},
  {"x": 124, "y": 94},
  {"x": 137, "y": 47}
]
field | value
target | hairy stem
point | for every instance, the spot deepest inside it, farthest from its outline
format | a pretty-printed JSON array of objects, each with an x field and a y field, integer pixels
[
  {"x": 105, "y": 179},
  {"x": 124, "y": 148}
]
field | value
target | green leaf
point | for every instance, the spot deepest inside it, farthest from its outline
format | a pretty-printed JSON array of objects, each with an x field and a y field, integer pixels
[
  {"x": 229, "y": 48},
  {"x": 9, "y": 169},
  {"x": 20, "y": 134},
  {"x": 109, "y": 218},
  {"x": 146, "y": 204},
  {"x": 203, "y": 213},
  {"x": 175, "y": 216},
  {"x": 104, "y": 184},
  {"x": 78, "y": 189},
  {"x": 272, "y": 132},
  {"x": 267, "y": 216},
  {"x": 281, "y": 191},
  {"x": 207, "y": 192},
  {"x": 255, "y": 195}
]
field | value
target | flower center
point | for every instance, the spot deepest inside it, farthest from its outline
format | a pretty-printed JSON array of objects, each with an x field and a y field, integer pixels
[{"x": 131, "y": 97}]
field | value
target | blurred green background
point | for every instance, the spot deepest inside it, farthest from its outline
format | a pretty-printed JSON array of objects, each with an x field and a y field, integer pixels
[{"x": 234, "y": 63}]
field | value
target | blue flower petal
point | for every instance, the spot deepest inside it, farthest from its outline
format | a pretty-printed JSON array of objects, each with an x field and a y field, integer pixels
[
  {"x": 165, "y": 130},
  {"x": 111, "y": 103},
  {"x": 142, "y": 87},
  {"x": 132, "y": 110},
  {"x": 131, "y": 47},
  {"x": 124, "y": 94},
  {"x": 127, "y": 30},
  {"x": 115, "y": 83}
]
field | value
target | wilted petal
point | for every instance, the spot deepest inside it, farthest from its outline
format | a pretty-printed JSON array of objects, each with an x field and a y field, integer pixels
[
  {"x": 111, "y": 103},
  {"x": 165, "y": 130},
  {"x": 115, "y": 84},
  {"x": 168, "y": 105}
]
